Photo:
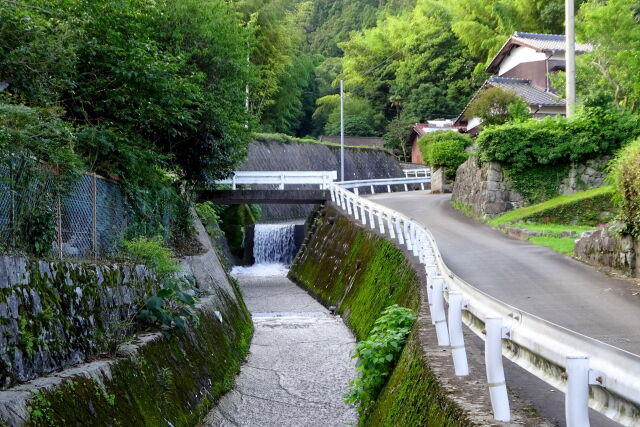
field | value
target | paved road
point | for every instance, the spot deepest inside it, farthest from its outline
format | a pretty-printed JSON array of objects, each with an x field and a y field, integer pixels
[
  {"x": 530, "y": 277},
  {"x": 299, "y": 363}
]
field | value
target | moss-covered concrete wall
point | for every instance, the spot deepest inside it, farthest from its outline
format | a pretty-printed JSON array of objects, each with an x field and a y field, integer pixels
[
  {"x": 153, "y": 379},
  {"x": 361, "y": 273},
  {"x": 57, "y": 314}
]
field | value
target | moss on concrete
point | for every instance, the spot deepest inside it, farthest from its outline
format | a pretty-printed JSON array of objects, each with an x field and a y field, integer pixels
[
  {"x": 360, "y": 273},
  {"x": 171, "y": 381}
]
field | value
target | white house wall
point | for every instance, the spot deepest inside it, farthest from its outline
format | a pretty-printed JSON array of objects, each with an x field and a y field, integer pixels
[{"x": 519, "y": 55}]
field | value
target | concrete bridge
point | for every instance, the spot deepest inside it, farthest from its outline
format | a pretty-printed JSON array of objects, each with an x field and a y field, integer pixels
[{"x": 296, "y": 187}]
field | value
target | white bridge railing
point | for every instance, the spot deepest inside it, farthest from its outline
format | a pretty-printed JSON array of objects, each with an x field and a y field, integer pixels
[
  {"x": 417, "y": 172},
  {"x": 591, "y": 373},
  {"x": 386, "y": 182},
  {"x": 281, "y": 178}
]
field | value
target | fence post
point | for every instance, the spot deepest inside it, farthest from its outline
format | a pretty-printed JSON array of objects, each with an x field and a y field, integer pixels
[
  {"x": 59, "y": 223},
  {"x": 495, "y": 370},
  {"x": 381, "y": 221},
  {"x": 95, "y": 216},
  {"x": 576, "y": 402},
  {"x": 355, "y": 209},
  {"x": 388, "y": 188},
  {"x": 405, "y": 188},
  {"x": 348, "y": 200},
  {"x": 372, "y": 192},
  {"x": 363, "y": 214},
  {"x": 281, "y": 187},
  {"x": 356, "y": 191},
  {"x": 439, "y": 317},
  {"x": 458, "y": 352},
  {"x": 333, "y": 194}
]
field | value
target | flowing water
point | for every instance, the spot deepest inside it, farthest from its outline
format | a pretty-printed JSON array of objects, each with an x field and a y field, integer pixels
[{"x": 273, "y": 250}]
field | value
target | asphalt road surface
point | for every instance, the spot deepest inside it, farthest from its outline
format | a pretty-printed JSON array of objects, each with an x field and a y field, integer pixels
[
  {"x": 534, "y": 279},
  {"x": 530, "y": 277}
]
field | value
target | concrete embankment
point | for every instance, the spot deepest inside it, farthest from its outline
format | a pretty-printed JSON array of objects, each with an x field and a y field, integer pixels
[
  {"x": 299, "y": 363},
  {"x": 348, "y": 266},
  {"x": 152, "y": 379},
  {"x": 360, "y": 163}
]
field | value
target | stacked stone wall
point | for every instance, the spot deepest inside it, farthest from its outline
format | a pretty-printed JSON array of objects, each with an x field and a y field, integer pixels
[
  {"x": 488, "y": 193},
  {"x": 605, "y": 248}
]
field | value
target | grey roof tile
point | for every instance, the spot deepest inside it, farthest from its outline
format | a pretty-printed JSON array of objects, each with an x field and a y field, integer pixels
[
  {"x": 524, "y": 89},
  {"x": 548, "y": 42}
]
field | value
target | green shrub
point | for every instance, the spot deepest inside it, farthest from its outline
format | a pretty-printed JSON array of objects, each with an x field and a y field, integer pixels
[
  {"x": 590, "y": 132},
  {"x": 445, "y": 149},
  {"x": 496, "y": 106},
  {"x": 536, "y": 154},
  {"x": 173, "y": 304},
  {"x": 625, "y": 174},
  {"x": 210, "y": 217},
  {"x": 378, "y": 355}
]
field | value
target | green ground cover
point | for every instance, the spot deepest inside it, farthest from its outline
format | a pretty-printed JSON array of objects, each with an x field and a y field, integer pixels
[
  {"x": 582, "y": 208},
  {"x": 552, "y": 228},
  {"x": 564, "y": 245}
]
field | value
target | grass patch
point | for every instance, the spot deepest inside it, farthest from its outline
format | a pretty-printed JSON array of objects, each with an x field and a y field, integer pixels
[
  {"x": 552, "y": 228},
  {"x": 564, "y": 245},
  {"x": 465, "y": 209},
  {"x": 562, "y": 206}
]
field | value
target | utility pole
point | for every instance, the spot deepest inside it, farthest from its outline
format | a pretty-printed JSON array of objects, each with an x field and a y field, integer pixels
[
  {"x": 341, "y": 130},
  {"x": 570, "y": 56}
]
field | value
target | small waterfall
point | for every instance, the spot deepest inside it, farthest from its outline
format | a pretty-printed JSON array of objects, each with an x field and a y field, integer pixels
[{"x": 274, "y": 243}]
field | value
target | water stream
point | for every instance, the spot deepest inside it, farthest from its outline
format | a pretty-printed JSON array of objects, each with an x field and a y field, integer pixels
[{"x": 273, "y": 250}]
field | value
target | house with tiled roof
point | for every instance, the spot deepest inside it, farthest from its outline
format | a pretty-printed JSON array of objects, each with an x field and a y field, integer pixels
[
  {"x": 523, "y": 66},
  {"x": 420, "y": 129}
]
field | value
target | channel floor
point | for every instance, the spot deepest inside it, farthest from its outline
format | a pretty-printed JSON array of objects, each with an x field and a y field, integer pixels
[{"x": 299, "y": 362}]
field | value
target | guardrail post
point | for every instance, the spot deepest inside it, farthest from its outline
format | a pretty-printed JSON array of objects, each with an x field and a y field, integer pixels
[
  {"x": 381, "y": 222},
  {"x": 414, "y": 240},
  {"x": 438, "y": 313},
  {"x": 407, "y": 236},
  {"x": 332, "y": 191},
  {"x": 405, "y": 187},
  {"x": 456, "y": 338},
  {"x": 281, "y": 182},
  {"x": 372, "y": 192},
  {"x": 495, "y": 370},
  {"x": 392, "y": 233},
  {"x": 363, "y": 214},
  {"x": 576, "y": 402},
  {"x": 422, "y": 185},
  {"x": 355, "y": 191},
  {"x": 355, "y": 208},
  {"x": 399, "y": 230},
  {"x": 372, "y": 223},
  {"x": 388, "y": 189},
  {"x": 348, "y": 200},
  {"x": 233, "y": 182}
]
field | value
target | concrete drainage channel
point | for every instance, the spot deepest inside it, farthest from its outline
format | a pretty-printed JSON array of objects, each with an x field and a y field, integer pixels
[{"x": 299, "y": 362}]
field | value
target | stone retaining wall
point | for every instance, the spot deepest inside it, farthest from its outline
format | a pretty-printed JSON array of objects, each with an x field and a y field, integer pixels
[
  {"x": 70, "y": 310},
  {"x": 605, "y": 248},
  {"x": 57, "y": 314},
  {"x": 486, "y": 191}
]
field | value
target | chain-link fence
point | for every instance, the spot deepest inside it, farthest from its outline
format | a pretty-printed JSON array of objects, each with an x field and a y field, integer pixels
[{"x": 86, "y": 220}]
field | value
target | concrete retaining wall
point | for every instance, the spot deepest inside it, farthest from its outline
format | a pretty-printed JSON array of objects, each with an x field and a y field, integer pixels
[{"x": 360, "y": 163}]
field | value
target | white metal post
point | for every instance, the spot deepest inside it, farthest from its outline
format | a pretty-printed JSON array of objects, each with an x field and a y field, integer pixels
[
  {"x": 399, "y": 231},
  {"x": 348, "y": 200},
  {"x": 432, "y": 272},
  {"x": 438, "y": 313},
  {"x": 414, "y": 242},
  {"x": 456, "y": 337},
  {"x": 281, "y": 182},
  {"x": 392, "y": 233},
  {"x": 355, "y": 209},
  {"x": 372, "y": 224},
  {"x": 363, "y": 215},
  {"x": 576, "y": 402},
  {"x": 341, "y": 130},
  {"x": 495, "y": 370},
  {"x": 570, "y": 56},
  {"x": 333, "y": 193},
  {"x": 381, "y": 222},
  {"x": 372, "y": 192},
  {"x": 407, "y": 236},
  {"x": 388, "y": 188}
]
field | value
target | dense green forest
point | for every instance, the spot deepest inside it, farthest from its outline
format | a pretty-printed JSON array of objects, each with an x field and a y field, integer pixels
[{"x": 140, "y": 88}]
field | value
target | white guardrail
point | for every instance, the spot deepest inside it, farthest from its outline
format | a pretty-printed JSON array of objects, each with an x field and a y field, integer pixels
[
  {"x": 591, "y": 373},
  {"x": 281, "y": 178},
  {"x": 417, "y": 172}
]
